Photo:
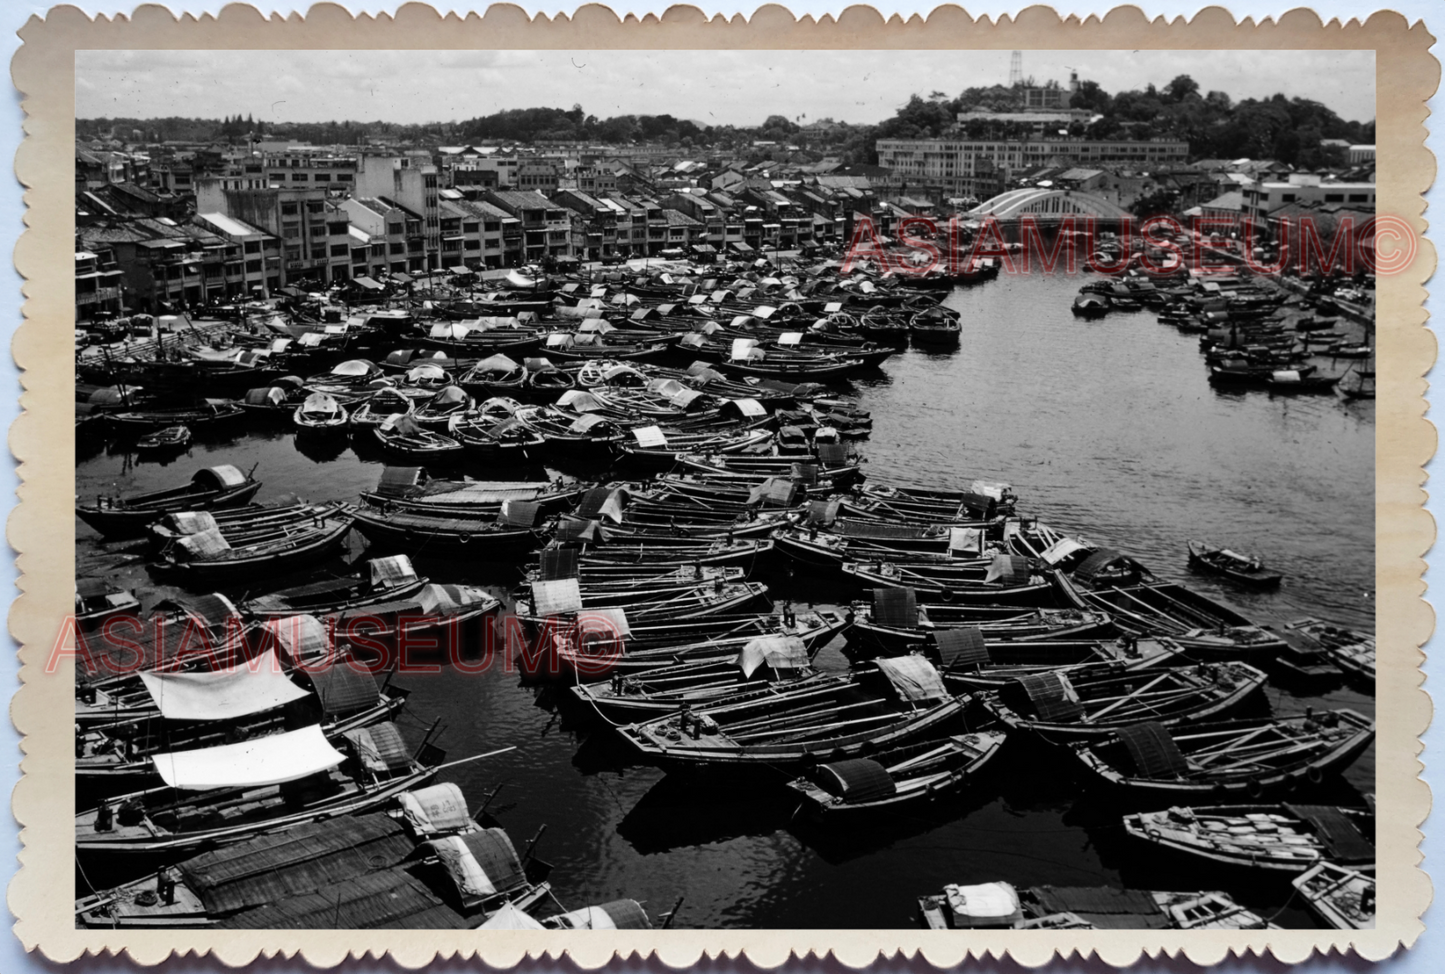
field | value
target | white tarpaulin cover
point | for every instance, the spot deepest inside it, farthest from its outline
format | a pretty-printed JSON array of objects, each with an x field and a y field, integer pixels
[
  {"x": 1060, "y": 550},
  {"x": 779, "y": 652},
  {"x": 193, "y": 522},
  {"x": 266, "y": 760},
  {"x": 437, "y": 808},
  {"x": 965, "y": 540},
  {"x": 471, "y": 879},
  {"x": 579, "y": 401},
  {"x": 587, "y": 918},
  {"x": 742, "y": 349},
  {"x": 509, "y": 917},
  {"x": 984, "y": 902},
  {"x": 556, "y": 597},
  {"x": 650, "y": 437},
  {"x": 790, "y": 338},
  {"x": 988, "y": 488},
  {"x": 750, "y": 407},
  {"x": 914, "y": 678},
  {"x": 249, "y": 688},
  {"x": 608, "y": 621},
  {"x": 208, "y": 545},
  {"x": 302, "y": 638}
]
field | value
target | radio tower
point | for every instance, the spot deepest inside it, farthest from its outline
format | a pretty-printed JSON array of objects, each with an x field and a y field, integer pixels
[{"x": 1016, "y": 70}]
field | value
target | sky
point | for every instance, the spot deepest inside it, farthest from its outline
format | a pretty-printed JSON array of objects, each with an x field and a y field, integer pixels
[{"x": 709, "y": 87}]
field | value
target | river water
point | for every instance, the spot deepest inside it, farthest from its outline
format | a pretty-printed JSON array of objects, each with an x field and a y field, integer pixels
[{"x": 1107, "y": 429}]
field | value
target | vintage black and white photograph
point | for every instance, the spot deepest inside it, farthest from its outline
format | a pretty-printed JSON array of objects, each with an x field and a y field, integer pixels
[{"x": 808, "y": 489}]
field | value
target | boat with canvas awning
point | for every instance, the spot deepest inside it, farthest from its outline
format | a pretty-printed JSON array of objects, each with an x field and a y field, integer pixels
[
  {"x": 203, "y": 708},
  {"x": 210, "y": 488},
  {"x": 217, "y": 795}
]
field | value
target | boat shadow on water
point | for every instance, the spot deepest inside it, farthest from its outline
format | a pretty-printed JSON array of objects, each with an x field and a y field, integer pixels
[
  {"x": 681, "y": 811},
  {"x": 322, "y": 446}
]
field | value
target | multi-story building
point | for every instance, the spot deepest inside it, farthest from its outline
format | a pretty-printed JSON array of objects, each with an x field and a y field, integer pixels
[
  {"x": 984, "y": 167},
  {"x": 98, "y": 282},
  {"x": 385, "y": 221},
  {"x": 595, "y": 180},
  {"x": 541, "y": 175},
  {"x": 712, "y": 221},
  {"x": 314, "y": 233},
  {"x": 594, "y": 224},
  {"x": 409, "y": 183},
  {"x": 546, "y": 229},
  {"x": 257, "y": 262},
  {"x": 1262, "y": 198}
]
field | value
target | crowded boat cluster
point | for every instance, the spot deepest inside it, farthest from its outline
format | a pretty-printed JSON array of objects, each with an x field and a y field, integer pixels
[
  {"x": 1255, "y": 333},
  {"x": 703, "y": 464}
]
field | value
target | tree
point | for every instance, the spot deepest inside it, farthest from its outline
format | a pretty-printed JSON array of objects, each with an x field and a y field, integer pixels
[
  {"x": 1181, "y": 87},
  {"x": 1092, "y": 97},
  {"x": 1159, "y": 203}
]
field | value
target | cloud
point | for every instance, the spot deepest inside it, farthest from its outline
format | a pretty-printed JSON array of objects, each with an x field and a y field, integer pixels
[{"x": 724, "y": 87}]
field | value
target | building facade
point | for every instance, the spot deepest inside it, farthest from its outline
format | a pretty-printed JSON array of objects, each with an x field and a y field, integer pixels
[{"x": 984, "y": 167}]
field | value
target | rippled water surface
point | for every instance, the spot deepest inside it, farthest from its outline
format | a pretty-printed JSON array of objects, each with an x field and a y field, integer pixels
[{"x": 1108, "y": 429}]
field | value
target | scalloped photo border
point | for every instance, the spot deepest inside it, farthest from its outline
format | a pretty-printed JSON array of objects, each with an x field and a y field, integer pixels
[{"x": 42, "y": 442}]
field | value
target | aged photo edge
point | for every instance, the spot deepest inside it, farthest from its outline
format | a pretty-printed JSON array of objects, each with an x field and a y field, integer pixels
[{"x": 43, "y": 70}]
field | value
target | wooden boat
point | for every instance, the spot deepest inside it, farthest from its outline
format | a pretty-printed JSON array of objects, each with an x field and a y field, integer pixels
[
  {"x": 763, "y": 666},
  {"x": 170, "y": 439},
  {"x": 1090, "y": 305},
  {"x": 739, "y": 551},
  {"x": 496, "y": 375},
  {"x": 345, "y": 378},
  {"x": 559, "y": 601},
  {"x": 883, "y": 328},
  {"x": 586, "y": 438},
  {"x": 1084, "y": 562},
  {"x": 210, "y": 488},
  {"x": 447, "y": 884},
  {"x": 1241, "y": 569},
  {"x": 1292, "y": 382},
  {"x": 1353, "y": 652},
  {"x": 597, "y": 645},
  {"x": 403, "y": 437},
  {"x": 513, "y": 532},
  {"x": 1092, "y": 702},
  {"x": 211, "y": 413},
  {"x": 935, "y": 328},
  {"x": 838, "y": 718},
  {"x": 97, "y": 600},
  {"x": 410, "y": 489},
  {"x": 1002, "y": 906},
  {"x": 899, "y": 779},
  {"x": 383, "y": 404},
  {"x": 391, "y": 577},
  {"x": 1245, "y": 758},
  {"x": 211, "y": 707},
  {"x": 183, "y": 632},
  {"x": 274, "y": 403},
  {"x": 427, "y": 378},
  {"x": 1003, "y": 580},
  {"x": 545, "y": 382},
  {"x": 1283, "y": 838},
  {"x": 209, "y": 555},
  {"x": 320, "y": 413},
  {"x": 894, "y": 624},
  {"x": 221, "y": 884},
  {"x": 1341, "y": 897},
  {"x": 439, "y": 411},
  {"x": 1209, "y": 629},
  {"x": 218, "y": 795}
]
